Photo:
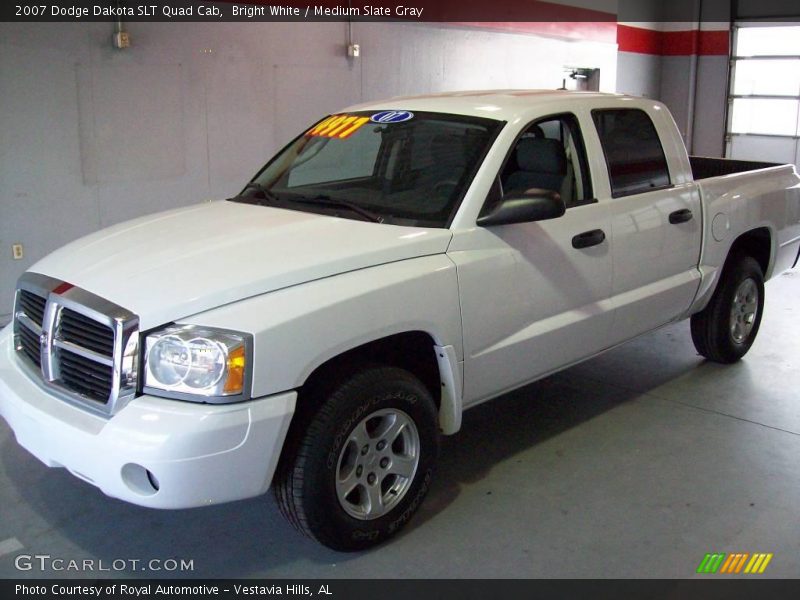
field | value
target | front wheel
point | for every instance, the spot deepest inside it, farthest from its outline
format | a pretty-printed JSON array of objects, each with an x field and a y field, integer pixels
[
  {"x": 727, "y": 327},
  {"x": 363, "y": 462}
]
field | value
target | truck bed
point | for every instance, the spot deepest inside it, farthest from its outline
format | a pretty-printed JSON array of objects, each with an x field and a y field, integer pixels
[{"x": 704, "y": 167}]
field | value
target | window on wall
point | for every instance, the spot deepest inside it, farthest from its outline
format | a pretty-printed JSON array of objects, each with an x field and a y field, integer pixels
[{"x": 764, "y": 116}]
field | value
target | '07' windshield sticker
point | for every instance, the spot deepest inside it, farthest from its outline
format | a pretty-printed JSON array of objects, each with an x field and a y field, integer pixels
[
  {"x": 392, "y": 116},
  {"x": 338, "y": 126}
]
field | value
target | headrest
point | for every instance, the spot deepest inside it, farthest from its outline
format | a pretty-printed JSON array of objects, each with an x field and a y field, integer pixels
[
  {"x": 536, "y": 131},
  {"x": 541, "y": 155}
]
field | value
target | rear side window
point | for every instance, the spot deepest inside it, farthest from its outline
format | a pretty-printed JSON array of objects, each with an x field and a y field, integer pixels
[{"x": 634, "y": 155}]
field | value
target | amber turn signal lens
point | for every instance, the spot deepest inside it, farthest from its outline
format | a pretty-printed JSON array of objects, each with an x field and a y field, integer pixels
[{"x": 234, "y": 384}]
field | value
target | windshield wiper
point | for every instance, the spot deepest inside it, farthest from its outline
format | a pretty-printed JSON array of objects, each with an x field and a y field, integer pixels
[
  {"x": 323, "y": 200},
  {"x": 265, "y": 191}
]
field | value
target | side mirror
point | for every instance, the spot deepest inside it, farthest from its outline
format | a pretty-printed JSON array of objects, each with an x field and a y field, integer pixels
[{"x": 532, "y": 205}]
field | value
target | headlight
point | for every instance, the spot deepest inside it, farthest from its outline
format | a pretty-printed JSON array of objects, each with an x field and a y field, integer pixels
[{"x": 186, "y": 361}]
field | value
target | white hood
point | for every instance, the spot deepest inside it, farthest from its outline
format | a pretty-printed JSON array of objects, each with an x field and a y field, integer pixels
[{"x": 174, "y": 264}]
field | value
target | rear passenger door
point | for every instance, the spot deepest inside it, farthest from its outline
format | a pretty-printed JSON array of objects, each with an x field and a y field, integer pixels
[{"x": 655, "y": 224}]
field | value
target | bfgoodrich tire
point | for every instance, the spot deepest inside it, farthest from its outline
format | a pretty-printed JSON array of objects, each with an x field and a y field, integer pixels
[
  {"x": 360, "y": 465},
  {"x": 725, "y": 330}
]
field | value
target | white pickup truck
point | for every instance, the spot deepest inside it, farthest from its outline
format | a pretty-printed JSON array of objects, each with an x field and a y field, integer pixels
[{"x": 395, "y": 264}]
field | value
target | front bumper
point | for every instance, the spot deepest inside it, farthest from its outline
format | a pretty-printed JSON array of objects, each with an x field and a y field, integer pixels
[{"x": 196, "y": 454}]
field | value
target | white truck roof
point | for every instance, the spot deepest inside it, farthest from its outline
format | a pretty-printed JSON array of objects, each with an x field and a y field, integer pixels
[{"x": 495, "y": 104}]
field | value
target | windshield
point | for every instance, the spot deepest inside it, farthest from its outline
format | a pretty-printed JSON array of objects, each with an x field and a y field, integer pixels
[{"x": 392, "y": 167}]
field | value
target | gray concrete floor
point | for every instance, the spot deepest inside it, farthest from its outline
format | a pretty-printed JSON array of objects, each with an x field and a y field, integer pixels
[{"x": 634, "y": 464}]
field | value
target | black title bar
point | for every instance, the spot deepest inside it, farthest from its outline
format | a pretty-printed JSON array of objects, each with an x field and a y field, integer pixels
[
  {"x": 379, "y": 10},
  {"x": 707, "y": 588}
]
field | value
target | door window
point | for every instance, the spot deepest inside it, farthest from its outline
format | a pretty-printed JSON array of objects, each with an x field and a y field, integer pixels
[
  {"x": 633, "y": 151},
  {"x": 550, "y": 155}
]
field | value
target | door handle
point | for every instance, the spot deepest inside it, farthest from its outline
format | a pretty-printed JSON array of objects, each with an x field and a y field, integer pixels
[
  {"x": 588, "y": 239},
  {"x": 680, "y": 216}
]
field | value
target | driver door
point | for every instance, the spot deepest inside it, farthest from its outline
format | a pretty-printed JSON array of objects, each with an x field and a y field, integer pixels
[{"x": 535, "y": 296}]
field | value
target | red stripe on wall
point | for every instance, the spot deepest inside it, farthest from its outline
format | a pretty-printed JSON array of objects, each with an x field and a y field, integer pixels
[
  {"x": 638, "y": 39},
  {"x": 672, "y": 43},
  {"x": 680, "y": 43},
  {"x": 715, "y": 43}
]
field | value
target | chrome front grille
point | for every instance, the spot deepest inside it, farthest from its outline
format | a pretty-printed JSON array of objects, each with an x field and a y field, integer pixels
[
  {"x": 28, "y": 342},
  {"x": 78, "y": 329},
  {"x": 32, "y": 305},
  {"x": 86, "y": 376},
  {"x": 80, "y": 346}
]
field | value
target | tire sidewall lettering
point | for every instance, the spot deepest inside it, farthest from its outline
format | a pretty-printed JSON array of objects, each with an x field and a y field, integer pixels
[{"x": 344, "y": 431}]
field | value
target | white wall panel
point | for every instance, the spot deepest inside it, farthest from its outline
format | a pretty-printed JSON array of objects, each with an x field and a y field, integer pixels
[
  {"x": 138, "y": 123},
  {"x": 43, "y": 200},
  {"x": 240, "y": 120}
]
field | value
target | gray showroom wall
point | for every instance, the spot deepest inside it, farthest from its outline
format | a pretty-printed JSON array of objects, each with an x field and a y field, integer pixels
[
  {"x": 700, "y": 116},
  {"x": 639, "y": 74},
  {"x": 92, "y": 136},
  {"x": 694, "y": 87}
]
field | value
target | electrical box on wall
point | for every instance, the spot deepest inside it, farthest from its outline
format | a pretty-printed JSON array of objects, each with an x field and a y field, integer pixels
[
  {"x": 122, "y": 40},
  {"x": 354, "y": 50}
]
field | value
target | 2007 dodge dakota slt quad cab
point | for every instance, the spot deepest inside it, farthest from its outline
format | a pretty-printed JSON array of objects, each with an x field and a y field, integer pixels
[{"x": 394, "y": 265}]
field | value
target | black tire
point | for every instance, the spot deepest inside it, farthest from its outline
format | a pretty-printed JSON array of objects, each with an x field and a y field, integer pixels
[
  {"x": 713, "y": 328},
  {"x": 320, "y": 451}
]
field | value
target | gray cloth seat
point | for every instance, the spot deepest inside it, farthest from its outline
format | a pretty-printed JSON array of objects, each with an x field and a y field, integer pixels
[{"x": 542, "y": 164}]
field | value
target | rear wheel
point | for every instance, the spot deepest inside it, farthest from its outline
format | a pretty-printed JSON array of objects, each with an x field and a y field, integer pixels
[
  {"x": 725, "y": 330},
  {"x": 360, "y": 466}
]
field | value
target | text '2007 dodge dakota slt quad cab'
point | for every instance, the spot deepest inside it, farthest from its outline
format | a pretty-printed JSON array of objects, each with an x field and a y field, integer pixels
[{"x": 394, "y": 265}]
